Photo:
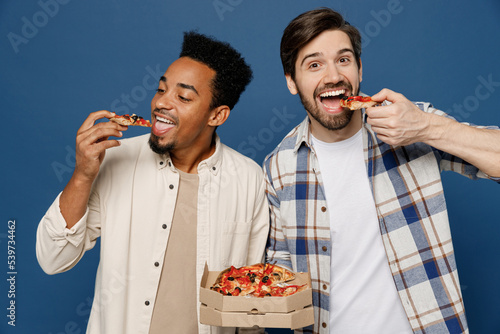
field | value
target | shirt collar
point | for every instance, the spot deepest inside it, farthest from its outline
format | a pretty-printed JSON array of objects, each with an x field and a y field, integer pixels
[
  {"x": 303, "y": 135},
  {"x": 212, "y": 163},
  {"x": 304, "y": 132}
]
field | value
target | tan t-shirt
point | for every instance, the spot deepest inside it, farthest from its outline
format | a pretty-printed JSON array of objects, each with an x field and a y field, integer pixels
[{"x": 175, "y": 309}]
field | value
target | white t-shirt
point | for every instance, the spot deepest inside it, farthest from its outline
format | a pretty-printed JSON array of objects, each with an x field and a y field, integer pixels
[{"x": 363, "y": 296}]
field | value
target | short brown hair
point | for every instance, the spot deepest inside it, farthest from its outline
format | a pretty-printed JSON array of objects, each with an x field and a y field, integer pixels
[{"x": 308, "y": 26}]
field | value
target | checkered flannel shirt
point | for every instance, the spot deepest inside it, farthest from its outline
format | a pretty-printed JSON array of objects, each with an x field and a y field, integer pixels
[{"x": 412, "y": 214}]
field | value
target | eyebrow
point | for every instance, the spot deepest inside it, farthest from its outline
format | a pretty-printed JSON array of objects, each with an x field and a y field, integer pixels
[
  {"x": 316, "y": 54},
  {"x": 182, "y": 85},
  {"x": 311, "y": 55},
  {"x": 186, "y": 86}
]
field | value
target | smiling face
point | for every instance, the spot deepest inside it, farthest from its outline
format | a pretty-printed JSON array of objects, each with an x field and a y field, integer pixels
[
  {"x": 325, "y": 71},
  {"x": 181, "y": 114}
]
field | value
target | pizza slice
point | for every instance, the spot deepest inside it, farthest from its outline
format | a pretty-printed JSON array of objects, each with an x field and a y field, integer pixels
[
  {"x": 287, "y": 290},
  {"x": 277, "y": 274},
  {"x": 130, "y": 120},
  {"x": 357, "y": 102}
]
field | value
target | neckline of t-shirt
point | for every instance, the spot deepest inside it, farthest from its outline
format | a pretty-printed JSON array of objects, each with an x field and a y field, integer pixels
[
  {"x": 187, "y": 176},
  {"x": 338, "y": 144}
]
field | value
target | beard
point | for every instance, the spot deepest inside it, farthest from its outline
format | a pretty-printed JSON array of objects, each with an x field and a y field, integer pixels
[
  {"x": 330, "y": 122},
  {"x": 154, "y": 144},
  {"x": 154, "y": 140}
]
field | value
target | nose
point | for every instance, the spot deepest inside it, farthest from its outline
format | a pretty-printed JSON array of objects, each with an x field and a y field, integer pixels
[
  {"x": 162, "y": 101},
  {"x": 332, "y": 75}
]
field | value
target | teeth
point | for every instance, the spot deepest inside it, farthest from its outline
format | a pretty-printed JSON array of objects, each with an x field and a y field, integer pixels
[
  {"x": 333, "y": 93},
  {"x": 164, "y": 120}
]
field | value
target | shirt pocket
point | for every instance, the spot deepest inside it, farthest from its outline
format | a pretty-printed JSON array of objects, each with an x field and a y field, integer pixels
[{"x": 235, "y": 242}]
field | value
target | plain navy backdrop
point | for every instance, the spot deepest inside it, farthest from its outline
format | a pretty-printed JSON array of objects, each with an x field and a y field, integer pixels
[{"x": 62, "y": 59}]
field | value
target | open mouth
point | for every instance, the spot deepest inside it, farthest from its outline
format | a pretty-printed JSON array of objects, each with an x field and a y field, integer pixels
[
  {"x": 162, "y": 125},
  {"x": 331, "y": 99}
]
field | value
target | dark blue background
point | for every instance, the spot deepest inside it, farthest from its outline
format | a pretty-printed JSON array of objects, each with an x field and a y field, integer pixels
[{"x": 62, "y": 60}]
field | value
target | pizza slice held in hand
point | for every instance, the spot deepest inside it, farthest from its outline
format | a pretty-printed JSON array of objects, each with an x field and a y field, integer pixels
[
  {"x": 357, "y": 102},
  {"x": 130, "y": 120}
]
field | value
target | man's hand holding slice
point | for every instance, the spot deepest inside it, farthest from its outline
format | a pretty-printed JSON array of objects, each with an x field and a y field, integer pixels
[{"x": 401, "y": 122}]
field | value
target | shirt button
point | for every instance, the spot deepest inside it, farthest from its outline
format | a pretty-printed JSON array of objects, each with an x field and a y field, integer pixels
[
  {"x": 323, "y": 208},
  {"x": 213, "y": 168},
  {"x": 171, "y": 186},
  {"x": 161, "y": 163},
  {"x": 169, "y": 164},
  {"x": 324, "y": 248},
  {"x": 146, "y": 302},
  {"x": 164, "y": 226},
  {"x": 324, "y": 325},
  {"x": 325, "y": 287},
  {"x": 157, "y": 264}
]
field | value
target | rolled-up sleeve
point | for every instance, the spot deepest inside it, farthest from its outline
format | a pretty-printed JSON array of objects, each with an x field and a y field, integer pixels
[{"x": 58, "y": 248}]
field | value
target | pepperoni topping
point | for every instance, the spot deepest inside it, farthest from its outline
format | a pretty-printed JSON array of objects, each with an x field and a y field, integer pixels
[{"x": 357, "y": 98}]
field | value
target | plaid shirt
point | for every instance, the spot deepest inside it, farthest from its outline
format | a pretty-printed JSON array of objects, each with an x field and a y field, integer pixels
[{"x": 412, "y": 214}]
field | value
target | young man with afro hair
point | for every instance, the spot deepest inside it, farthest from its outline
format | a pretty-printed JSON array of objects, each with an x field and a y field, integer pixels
[{"x": 163, "y": 204}]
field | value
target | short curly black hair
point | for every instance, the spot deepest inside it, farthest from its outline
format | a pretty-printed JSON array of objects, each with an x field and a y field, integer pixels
[{"x": 233, "y": 74}]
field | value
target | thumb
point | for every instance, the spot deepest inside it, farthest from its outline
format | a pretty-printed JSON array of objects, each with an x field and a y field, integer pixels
[{"x": 386, "y": 94}]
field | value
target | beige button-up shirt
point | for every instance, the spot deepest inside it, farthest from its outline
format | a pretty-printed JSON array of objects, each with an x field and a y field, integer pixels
[{"x": 131, "y": 207}]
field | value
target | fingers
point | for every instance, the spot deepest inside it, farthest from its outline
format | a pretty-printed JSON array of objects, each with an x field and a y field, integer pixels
[
  {"x": 93, "y": 117},
  {"x": 102, "y": 146},
  {"x": 90, "y": 150},
  {"x": 398, "y": 103},
  {"x": 389, "y": 95},
  {"x": 381, "y": 112},
  {"x": 387, "y": 139},
  {"x": 90, "y": 132},
  {"x": 92, "y": 139},
  {"x": 100, "y": 133},
  {"x": 93, "y": 142}
]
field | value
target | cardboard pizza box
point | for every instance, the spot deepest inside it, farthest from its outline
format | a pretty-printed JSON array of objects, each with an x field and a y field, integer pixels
[
  {"x": 293, "y": 311},
  {"x": 293, "y": 320}
]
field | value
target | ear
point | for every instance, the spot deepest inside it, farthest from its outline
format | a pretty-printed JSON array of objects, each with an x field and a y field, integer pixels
[
  {"x": 218, "y": 116},
  {"x": 291, "y": 84}
]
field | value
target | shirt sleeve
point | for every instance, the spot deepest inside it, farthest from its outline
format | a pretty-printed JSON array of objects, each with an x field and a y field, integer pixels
[
  {"x": 58, "y": 248},
  {"x": 277, "y": 248},
  {"x": 260, "y": 226},
  {"x": 449, "y": 162}
]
